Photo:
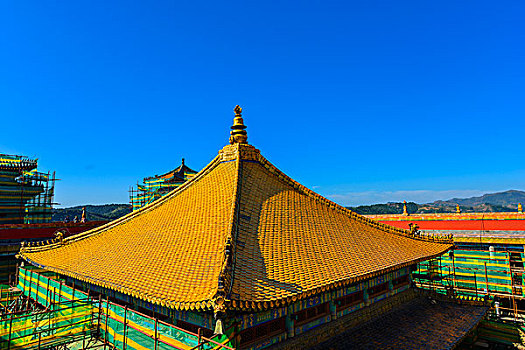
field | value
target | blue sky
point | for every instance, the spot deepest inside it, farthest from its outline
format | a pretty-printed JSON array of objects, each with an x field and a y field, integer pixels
[{"x": 364, "y": 102}]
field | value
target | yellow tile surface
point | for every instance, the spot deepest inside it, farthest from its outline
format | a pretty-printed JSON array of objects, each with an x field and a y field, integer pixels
[{"x": 293, "y": 243}]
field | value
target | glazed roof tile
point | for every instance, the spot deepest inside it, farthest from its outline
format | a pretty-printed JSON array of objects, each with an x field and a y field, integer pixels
[
  {"x": 240, "y": 234},
  {"x": 417, "y": 324}
]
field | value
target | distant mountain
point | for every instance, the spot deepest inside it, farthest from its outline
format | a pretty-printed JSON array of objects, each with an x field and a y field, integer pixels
[
  {"x": 388, "y": 208},
  {"x": 507, "y": 199},
  {"x": 93, "y": 212},
  {"x": 488, "y": 203}
]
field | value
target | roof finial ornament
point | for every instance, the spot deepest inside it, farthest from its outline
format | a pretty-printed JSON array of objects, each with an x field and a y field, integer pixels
[{"x": 238, "y": 134}]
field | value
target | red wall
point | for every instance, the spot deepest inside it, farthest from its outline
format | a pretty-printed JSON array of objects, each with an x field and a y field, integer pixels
[{"x": 498, "y": 225}]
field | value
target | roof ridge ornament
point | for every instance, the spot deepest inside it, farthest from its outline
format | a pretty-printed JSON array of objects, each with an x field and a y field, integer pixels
[{"x": 238, "y": 134}]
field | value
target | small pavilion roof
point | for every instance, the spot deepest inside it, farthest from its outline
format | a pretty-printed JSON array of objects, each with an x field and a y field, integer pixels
[
  {"x": 240, "y": 235},
  {"x": 179, "y": 173}
]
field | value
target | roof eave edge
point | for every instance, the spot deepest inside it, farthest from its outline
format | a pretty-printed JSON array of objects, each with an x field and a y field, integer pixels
[
  {"x": 202, "y": 305},
  {"x": 264, "y": 305}
]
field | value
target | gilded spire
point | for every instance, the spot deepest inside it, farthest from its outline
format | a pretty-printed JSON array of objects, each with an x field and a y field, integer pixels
[{"x": 238, "y": 134}]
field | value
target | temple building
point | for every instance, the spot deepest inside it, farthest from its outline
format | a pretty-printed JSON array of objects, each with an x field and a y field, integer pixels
[
  {"x": 157, "y": 186},
  {"x": 26, "y": 195},
  {"x": 241, "y": 255},
  {"x": 26, "y": 209}
]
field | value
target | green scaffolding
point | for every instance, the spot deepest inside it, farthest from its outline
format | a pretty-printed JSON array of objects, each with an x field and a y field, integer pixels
[
  {"x": 128, "y": 329},
  {"x": 26, "y": 195},
  {"x": 472, "y": 272},
  {"x": 7, "y": 296},
  {"x": 115, "y": 324},
  {"x": 64, "y": 323}
]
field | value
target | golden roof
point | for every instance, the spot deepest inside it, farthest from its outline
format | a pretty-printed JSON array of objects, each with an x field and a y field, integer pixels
[{"x": 239, "y": 235}]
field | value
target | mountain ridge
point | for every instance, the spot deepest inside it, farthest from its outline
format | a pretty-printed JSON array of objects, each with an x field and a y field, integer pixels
[
  {"x": 506, "y": 201},
  {"x": 505, "y": 198},
  {"x": 105, "y": 212}
]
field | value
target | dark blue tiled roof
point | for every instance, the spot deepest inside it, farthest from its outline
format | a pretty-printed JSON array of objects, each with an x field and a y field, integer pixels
[{"x": 417, "y": 324}]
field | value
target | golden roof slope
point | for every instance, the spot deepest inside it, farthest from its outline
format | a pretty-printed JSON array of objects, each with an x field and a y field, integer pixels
[{"x": 239, "y": 235}]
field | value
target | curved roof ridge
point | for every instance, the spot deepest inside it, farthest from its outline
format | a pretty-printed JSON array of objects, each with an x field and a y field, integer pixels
[
  {"x": 174, "y": 171},
  {"x": 225, "y": 281},
  {"x": 387, "y": 228},
  {"x": 55, "y": 243}
]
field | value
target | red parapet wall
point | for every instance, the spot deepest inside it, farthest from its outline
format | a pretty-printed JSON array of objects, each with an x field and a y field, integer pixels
[
  {"x": 45, "y": 230},
  {"x": 470, "y": 225}
]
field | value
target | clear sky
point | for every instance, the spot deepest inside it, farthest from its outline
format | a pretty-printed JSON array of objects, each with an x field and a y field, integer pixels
[{"x": 362, "y": 101}]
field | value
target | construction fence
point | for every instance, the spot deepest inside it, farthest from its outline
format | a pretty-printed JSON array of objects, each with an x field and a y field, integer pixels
[{"x": 114, "y": 324}]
